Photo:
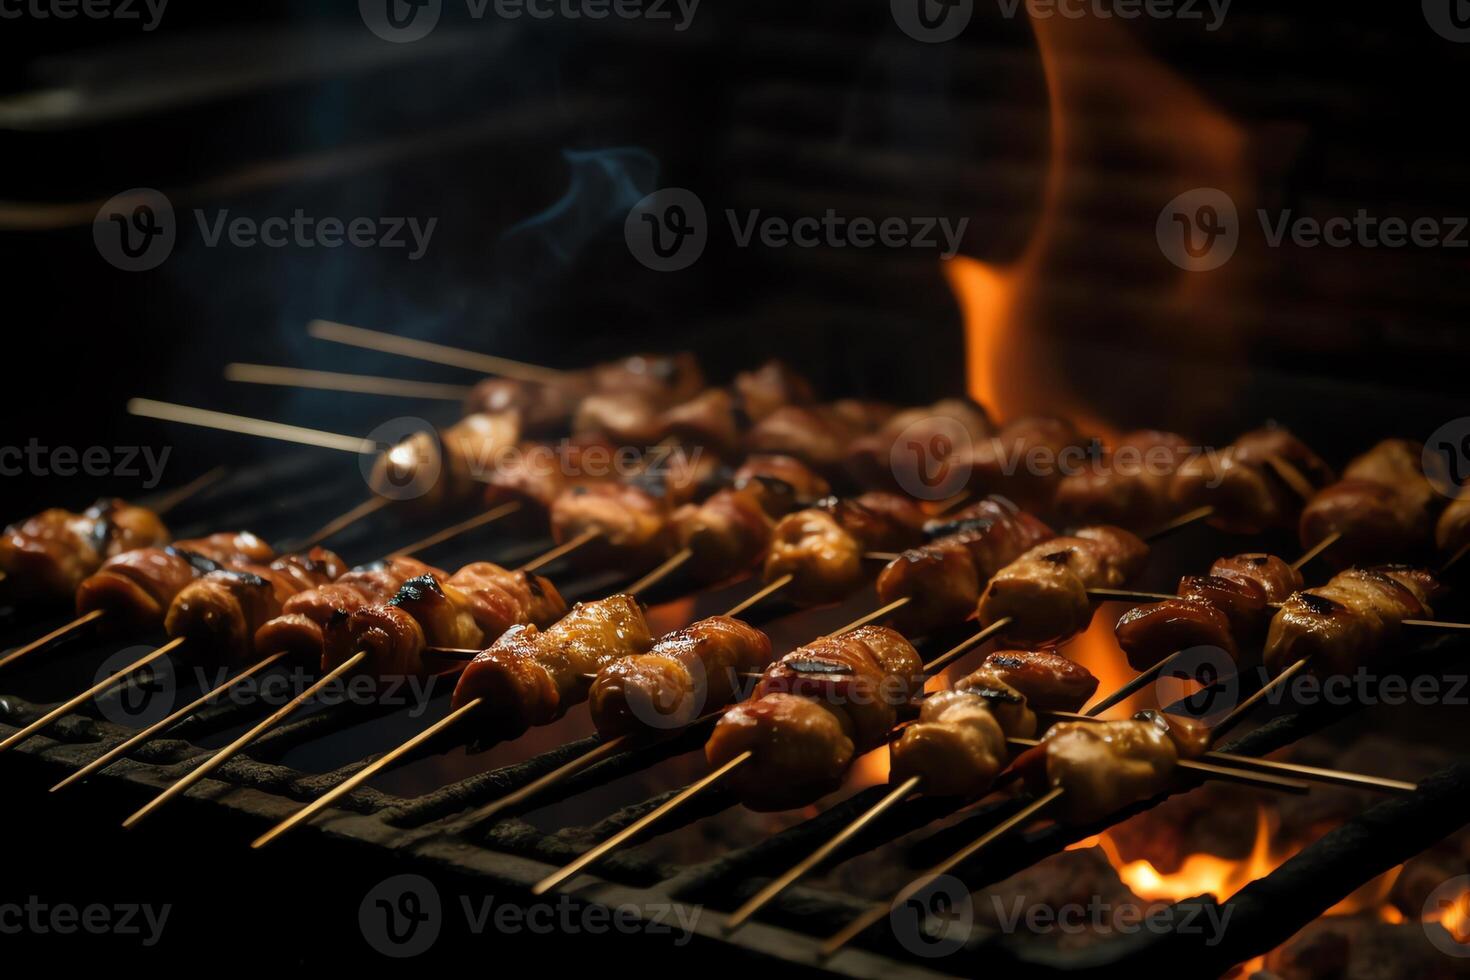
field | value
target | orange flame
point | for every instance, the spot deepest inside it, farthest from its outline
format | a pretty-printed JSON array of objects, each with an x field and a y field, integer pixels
[{"x": 1009, "y": 369}]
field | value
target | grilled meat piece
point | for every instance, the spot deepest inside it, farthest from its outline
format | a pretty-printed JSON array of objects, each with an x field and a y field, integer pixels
[
  {"x": 1044, "y": 592},
  {"x": 1351, "y": 621},
  {"x": 1383, "y": 507},
  {"x": 1049, "y": 681},
  {"x": 771, "y": 386},
  {"x": 663, "y": 379},
  {"x": 727, "y": 534},
  {"x": 542, "y": 408},
  {"x": 219, "y": 612},
  {"x": 1240, "y": 482},
  {"x": 1273, "y": 576},
  {"x": 930, "y": 436},
  {"x": 823, "y": 545},
  {"x": 813, "y": 434},
  {"x": 813, "y": 711},
  {"x": 46, "y": 557},
  {"x": 1023, "y": 460},
  {"x": 633, "y": 529},
  {"x": 956, "y": 748},
  {"x": 943, "y": 579},
  {"x": 1191, "y": 737},
  {"x": 530, "y": 676},
  {"x": 303, "y": 617},
  {"x": 1106, "y": 766},
  {"x": 708, "y": 420},
  {"x": 1129, "y": 485},
  {"x": 780, "y": 483},
  {"x": 448, "y": 470},
  {"x": 624, "y": 417},
  {"x": 687, "y": 673},
  {"x": 426, "y": 611},
  {"x": 500, "y": 598}
]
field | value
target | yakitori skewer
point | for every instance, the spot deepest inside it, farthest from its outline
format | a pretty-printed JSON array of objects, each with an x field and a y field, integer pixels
[
  {"x": 1088, "y": 770},
  {"x": 424, "y": 350}
]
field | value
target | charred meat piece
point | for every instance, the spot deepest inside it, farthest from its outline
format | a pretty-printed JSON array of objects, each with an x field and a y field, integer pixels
[
  {"x": 688, "y": 673},
  {"x": 780, "y": 483},
  {"x": 814, "y": 710},
  {"x": 823, "y": 546},
  {"x": 500, "y": 598},
  {"x": 46, "y": 557},
  {"x": 1273, "y": 576},
  {"x": 219, "y": 612},
  {"x": 1049, "y": 681},
  {"x": 813, "y": 434},
  {"x": 395, "y": 634},
  {"x": 303, "y": 617},
  {"x": 1044, "y": 592},
  {"x": 1190, "y": 736},
  {"x": 134, "y": 589},
  {"x": 943, "y": 579},
  {"x": 1351, "y": 621},
  {"x": 632, "y": 526},
  {"x": 1384, "y": 508},
  {"x": 530, "y": 677}
]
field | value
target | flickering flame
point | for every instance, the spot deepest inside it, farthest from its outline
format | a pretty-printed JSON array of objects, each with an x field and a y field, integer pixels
[
  {"x": 1009, "y": 366},
  {"x": 1096, "y": 648},
  {"x": 1209, "y": 874}
]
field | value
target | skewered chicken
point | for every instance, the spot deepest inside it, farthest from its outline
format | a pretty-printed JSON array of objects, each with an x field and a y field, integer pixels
[
  {"x": 632, "y": 526},
  {"x": 917, "y": 445},
  {"x": 47, "y": 556},
  {"x": 1049, "y": 681},
  {"x": 448, "y": 469},
  {"x": 726, "y": 534},
  {"x": 769, "y": 387},
  {"x": 822, "y": 546},
  {"x": 1243, "y": 484},
  {"x": 1128, "y": 485},
  {"x": 1384, "y": 507},
  {"x": 531, "y": 676},
  {"x": 303, "y": 617},
  {"x": 687, "y": 673},
  {"x": 1044, "y": 592},
  {"x": 1349, "y": 622},
  {"x": 1023, "y": 461},
  {"x": 134, "y": 589},
  {"x": 459, "y": 611},
  {"x": 814, "y": 711},
  {"x": 220, "y": 611},
  {"x": 1227, "y": 609},
  {"x": 943, "y": 579},
  {"x": 780, "y": 483},
  {"x": 1105, "y": 766}
]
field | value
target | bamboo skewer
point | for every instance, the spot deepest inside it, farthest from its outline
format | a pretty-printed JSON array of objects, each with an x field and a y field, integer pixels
[
  {"x": 245, "y": 425},
  {"x": 158, "y": 727},
  {"x": 863, "y": 922},
  {"x": 177, "y": 496},
  {"x": 668, "y": 567},
  {"x": 240, "y": 744},
  {"x": 455, "y": 530},
  {"x": 105, "y": 684},
  {"x": 423, "y": 350},
  {"x": 363, "y": 384},
  {"x": 871, "y": 617},
  {"x": 1182, "y": 521},
  {"x": 1316, "y": 550},
  {"x": 638, "y": 826},
  {"x": 341, "y": 523},
  {"x": 771, "y": 588},
  {"x": 368, "y": 772},
  {"x": 51, "y": 637},
  {"x": 565, "y": 548}
]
